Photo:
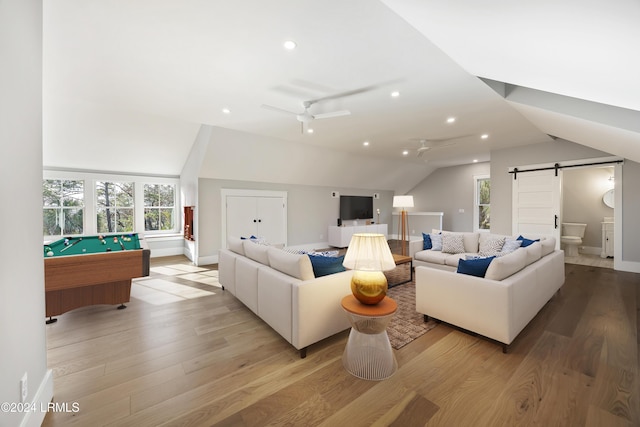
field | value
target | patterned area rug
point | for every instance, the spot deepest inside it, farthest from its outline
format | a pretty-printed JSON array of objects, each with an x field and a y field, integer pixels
[{"x": 407, "y": 324}]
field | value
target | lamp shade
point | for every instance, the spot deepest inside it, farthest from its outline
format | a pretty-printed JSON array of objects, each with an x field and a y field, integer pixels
[
  {"x": 403, "y": 201},
  {"x": 369, "y": 252}
]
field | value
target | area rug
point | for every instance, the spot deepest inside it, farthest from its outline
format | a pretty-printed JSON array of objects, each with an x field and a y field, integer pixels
[{"x": 407, "y": 324}]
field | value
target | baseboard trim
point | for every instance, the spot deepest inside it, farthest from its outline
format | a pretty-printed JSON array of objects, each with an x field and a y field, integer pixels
[
  {"x": 630, "y": 266},
  {"x": 41, "y": 400}
]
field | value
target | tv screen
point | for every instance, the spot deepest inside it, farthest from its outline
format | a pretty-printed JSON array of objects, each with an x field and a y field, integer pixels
[{"x": 356, "y": 207}]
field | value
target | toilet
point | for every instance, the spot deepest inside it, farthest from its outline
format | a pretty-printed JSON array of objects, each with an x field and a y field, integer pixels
[{"x": 572, "y": 234}]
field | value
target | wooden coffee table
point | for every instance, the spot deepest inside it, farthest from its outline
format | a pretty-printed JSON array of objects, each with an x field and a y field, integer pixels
[{"x": 402, "y": 259}]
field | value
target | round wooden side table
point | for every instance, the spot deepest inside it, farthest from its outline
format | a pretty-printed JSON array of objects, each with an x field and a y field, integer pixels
[{"x": 368, "y": 354}]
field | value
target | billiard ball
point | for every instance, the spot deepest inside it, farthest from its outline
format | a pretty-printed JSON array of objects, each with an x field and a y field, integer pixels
[
  {"x": 104, "y": 242},
  {"x": 84, "y": 250},
  {"x": 115, "y": 240},
  {"x": 50, "y": 253},
  {"x": 108, "y": 249}
]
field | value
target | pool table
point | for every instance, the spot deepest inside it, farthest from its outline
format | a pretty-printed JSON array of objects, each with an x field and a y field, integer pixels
[{"x": 89, "y": 270}]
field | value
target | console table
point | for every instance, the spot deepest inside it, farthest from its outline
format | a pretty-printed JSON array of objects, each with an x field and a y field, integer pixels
[{"x": 340, "y": 237}]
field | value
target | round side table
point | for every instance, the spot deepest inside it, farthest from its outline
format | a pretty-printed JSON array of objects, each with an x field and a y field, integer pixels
[{"x": 368, "y": 354}]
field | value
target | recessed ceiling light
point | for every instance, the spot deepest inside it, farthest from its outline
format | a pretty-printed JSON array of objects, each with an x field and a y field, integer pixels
[
  {"x": 309, "y": 130},
  {"x": 485, "y": 136},
  {"x": 475, "y": 160},
  {"x": 405, "y": 153},
  {"x": 395, "y": 94},
  {"x": 226, "y": 111},
  {"x": 290, "y": 45},
  {"x": 451, "y": 119},
  {"x": 366, "y": 143}
]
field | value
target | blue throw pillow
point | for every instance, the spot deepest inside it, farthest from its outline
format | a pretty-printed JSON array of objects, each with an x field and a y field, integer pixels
[
  {"x": 526, "y": 242},
  {"x": 474, "y": 267},
  {"x": 426, "y": 241},
  {"x": 324, "y": 265}
]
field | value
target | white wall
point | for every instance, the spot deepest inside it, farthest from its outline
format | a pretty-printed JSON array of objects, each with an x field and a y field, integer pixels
[
  {"x": 22, "y": 303},
  {"x": 311, "y": 210},
  {"x": 242, "y": 156},
  {"x": 189, "y": 186},
  {"x": 448, "y": 190}
]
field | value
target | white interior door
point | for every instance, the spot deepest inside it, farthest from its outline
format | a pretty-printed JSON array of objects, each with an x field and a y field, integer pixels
[
  {"x": 241, "y": 216},
  {"x": 263, "y": 216},
  {"x": 536, "y": 204},
  {"x": 272, "y": 219}
]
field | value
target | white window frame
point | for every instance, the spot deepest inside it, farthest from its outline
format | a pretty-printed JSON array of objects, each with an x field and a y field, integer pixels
[
  {"x": 90, "y": 225},
  {"x": 476, "y": 203},
  {"x": 61, "y": 208},
  {"x": 114, "y": 207},
  {"x": 176, "y": 214}
]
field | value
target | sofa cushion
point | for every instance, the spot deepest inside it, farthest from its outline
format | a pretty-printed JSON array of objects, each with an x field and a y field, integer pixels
[
  {"x": 236, "y": 245},
  {"x": 295, "y": 265},
  {"x": 533, "y": 251},
  {"x": 256, "y": 251},
  {"x": 426, "y": 241},
  {"x": 471, "y": 241},
  {"x": 452, "y": 243},
  {"x": 435, "y": 257},
  {"x": 474, "y": 267},
  {"x": 548, "y": 245},
  {"x": 503, "y": 267},
  {"x": 452, "y": 259},
  {"x": 324, "y": 265},
  {"x": 490, "y": 245}
]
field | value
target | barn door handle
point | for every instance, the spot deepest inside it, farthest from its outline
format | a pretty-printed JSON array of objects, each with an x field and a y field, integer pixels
[{"x": 556, "y": 221}]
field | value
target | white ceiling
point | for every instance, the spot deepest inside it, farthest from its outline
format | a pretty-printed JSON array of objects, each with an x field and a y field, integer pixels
[{"x": 128, "y": 84}]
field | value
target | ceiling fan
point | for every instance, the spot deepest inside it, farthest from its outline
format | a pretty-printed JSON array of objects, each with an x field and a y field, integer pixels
[
  {"x": 427, "y": 145},
  {"x": 305, "y": 117}
]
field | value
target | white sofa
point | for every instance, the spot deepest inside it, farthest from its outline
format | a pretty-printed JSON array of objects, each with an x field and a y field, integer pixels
[
  {"x": 280, "y": 287},
  {"x": 500, "y": 304}
]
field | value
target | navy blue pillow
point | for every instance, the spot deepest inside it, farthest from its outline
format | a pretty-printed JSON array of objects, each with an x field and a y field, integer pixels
[
  {"x": 474, "y": 267},
  {"x": 325, "y": 265},
  {"x": 426, "y": 241},
  {"x": 526, "y": 242}
]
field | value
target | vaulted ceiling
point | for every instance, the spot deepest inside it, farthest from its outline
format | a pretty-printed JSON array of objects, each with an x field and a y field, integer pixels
[{"x": 128, "y": 84}]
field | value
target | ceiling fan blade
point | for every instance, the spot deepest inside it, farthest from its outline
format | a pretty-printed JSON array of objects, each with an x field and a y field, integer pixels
[
  {"x": 278, "y": 109},
  {"x": 348, "y": 93},
  {"x": 332, "y": 114}
]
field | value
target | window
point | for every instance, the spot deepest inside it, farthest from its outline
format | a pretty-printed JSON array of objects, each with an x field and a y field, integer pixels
[
  {"x": 159, "y": 207},
  {"x": 482, "y": 211},
  {"x": 63, "y": 207},
  {"x": 114, "y": 207}
]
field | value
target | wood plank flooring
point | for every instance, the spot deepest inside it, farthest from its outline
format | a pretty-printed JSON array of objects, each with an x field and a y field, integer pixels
[{"x": 197, "y": 357}]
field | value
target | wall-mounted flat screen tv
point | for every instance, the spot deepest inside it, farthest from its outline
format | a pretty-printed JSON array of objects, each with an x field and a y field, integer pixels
[{"x": 356, "y": 207}]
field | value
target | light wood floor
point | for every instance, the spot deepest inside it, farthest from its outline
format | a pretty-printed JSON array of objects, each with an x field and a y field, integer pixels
[{"x": 198, "y": 357}]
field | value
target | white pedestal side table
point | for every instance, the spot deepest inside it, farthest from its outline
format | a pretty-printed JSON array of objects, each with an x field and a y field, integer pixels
[{"x": 368, "y": 354}]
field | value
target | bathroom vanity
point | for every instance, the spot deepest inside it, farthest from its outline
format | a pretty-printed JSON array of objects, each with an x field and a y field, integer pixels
[{"x": 607, "y": 238}]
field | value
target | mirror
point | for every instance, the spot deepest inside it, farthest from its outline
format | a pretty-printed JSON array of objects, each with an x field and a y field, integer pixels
[{"x": 608, "y": 198}]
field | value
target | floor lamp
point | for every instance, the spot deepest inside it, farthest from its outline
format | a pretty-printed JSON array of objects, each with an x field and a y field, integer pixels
[{"x": 403, "y": 202}]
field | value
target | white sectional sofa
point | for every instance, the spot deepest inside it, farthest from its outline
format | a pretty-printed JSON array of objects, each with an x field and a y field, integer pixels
[
  {"x": 500, "y": 304},
  {"x": 280, "y": 287}
]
